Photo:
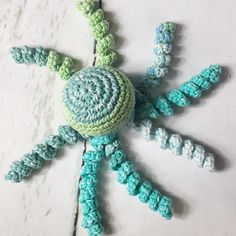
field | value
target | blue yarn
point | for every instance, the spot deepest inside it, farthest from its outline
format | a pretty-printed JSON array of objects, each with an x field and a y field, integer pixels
[{"x": 41, "y": 153}]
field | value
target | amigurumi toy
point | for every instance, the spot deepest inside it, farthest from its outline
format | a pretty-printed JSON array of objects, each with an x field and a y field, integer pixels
[{"x": 99, "y": 100}]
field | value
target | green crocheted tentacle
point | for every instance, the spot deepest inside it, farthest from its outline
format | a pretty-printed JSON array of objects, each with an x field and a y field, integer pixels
[
  {"x": 41, "y": 153},
  {"x": 127, "y": 175},
  {"x": 87, "y": 194},
  {"x": 100, "y": 29},
  {"x": 42, "y": 57},
  {"x": 192, "y": 89}
]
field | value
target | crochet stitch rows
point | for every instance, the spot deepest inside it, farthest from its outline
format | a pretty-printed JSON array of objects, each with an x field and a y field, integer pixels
[{"x": 98, "y": 101}]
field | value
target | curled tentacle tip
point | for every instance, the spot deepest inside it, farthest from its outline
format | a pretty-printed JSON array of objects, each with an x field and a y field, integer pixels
[
  {"x": 13, "y": 177},
  {"x": 166, "y": 27},
  {"x": 86, "y": 7}
]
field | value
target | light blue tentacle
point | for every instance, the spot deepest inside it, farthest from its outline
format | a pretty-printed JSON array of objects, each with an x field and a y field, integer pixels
[
  {"x": 162, "y": 58},
  {"x": 41, "y": 153},
  {"x": 179, "y": 145},
  {"x": 127, "y": 175},
  {"x": 87, "y": 195}
]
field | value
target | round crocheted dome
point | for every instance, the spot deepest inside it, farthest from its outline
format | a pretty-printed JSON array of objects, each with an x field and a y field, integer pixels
[{"x": 98, "y": 100}]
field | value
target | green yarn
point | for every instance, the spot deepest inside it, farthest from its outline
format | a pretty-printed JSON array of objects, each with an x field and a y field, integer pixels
[
  {"x": 100, "y": 29},
  {"x": 65, "y": 70},
  {"x": 43, "y": 57},
  {"x": 98, "y": 100},
  {"x": 54, "y": 61},
  {"x": 103, "y": 60}
]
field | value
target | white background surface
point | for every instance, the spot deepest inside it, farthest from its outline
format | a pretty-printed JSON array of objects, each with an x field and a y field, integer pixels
[{"x": 45, "y": 205}]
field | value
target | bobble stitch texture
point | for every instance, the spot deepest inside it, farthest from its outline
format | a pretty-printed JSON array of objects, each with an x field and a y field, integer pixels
[
  {"x": 180, "y": 97},
  {"x": 41, "y": 57},
  {"x": 28, "y": 55},
  {"x": 88, "y": 203},
  {"x": 177, "y": 144},
  {"x": 127, "y": 175},
  {"x": 100, "y": 29},
  {"x": 163, "y": 47}
]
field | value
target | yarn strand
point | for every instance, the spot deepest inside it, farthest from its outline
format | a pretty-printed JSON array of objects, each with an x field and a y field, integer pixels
[
  {"x": 179, "y": 145},
  {"x": 42, "y": 153},
  {"x": 43, "y": 57}
]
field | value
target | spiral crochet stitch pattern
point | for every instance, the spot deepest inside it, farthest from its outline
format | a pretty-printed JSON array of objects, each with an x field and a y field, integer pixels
[{"x": 99, "y": 100}]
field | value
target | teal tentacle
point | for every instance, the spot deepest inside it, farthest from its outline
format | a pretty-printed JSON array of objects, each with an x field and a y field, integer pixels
[
  {"x": 126, "y": 174},
  {"x": 179, "y": 145},
  {"x": 100, "y": 29},
  {"x": 192, "y": 89},
  {"x": 87, "y": 195},
  {"x": 26, "y": 55},
  {"x": 41, "y": 153},
  {"x": 44, "y": 57}
]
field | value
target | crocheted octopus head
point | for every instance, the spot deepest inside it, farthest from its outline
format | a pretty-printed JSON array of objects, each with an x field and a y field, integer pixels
[{"x": 98, "y": 100}]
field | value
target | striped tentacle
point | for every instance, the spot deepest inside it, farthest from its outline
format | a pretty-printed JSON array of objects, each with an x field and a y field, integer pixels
[
  {"x": 43, "y": 57},
  {"x": 193, "y": 89},
  {"x": 87, "y": 196},
  {"x": 127, "y": 175},
  {"x": 179, "y": 145},
  {"x": 162, "y": 58},
  {"x": 100, "y": 29},
  {"x": 41, "y": 153}
]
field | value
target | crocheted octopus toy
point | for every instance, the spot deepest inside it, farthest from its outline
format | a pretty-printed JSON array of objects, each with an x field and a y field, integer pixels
[{"x": 99, "y": 100}]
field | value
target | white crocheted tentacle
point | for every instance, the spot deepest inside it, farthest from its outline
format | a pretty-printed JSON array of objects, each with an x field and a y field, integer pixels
[{"x": 177, "y": 144}]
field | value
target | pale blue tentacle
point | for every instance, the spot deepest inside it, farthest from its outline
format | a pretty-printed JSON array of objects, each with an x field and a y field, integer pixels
[
  {"x": 162, "y": 58},
  {"x": 179, "y": 145},
  {"x": 41, "y": 153},
  {"x": 127, "y": 175}
]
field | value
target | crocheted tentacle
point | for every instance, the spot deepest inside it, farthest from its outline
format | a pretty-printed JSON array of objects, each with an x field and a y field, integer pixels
[
  {"x": 100, "y": 29},
  {"x": 41, "y": 153},
  {"x": 87, "y": 195},
  {"x": 127, "y": 175},
  {"x": 162, "y": 58},
  {"x": 42, "y": 57},
  {"x": 178, "y": 145},
  {"x": 193, "y": 88}
]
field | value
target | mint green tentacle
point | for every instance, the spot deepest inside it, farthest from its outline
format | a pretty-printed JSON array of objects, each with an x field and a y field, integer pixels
[
  {"x": 41, "y": 153},
  {"x": 180, "y": 97},
  {"x": 178, "y": 144},
  {"x": 43, "y": 57},
  {"x": 87, "y": 195},
  {"x": 100, "y": 29},
  {"x": 127, "y": 175}
]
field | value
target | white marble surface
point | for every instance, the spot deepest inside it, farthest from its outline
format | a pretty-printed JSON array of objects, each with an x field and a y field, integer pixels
[{"x": 46, "y": 204}]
